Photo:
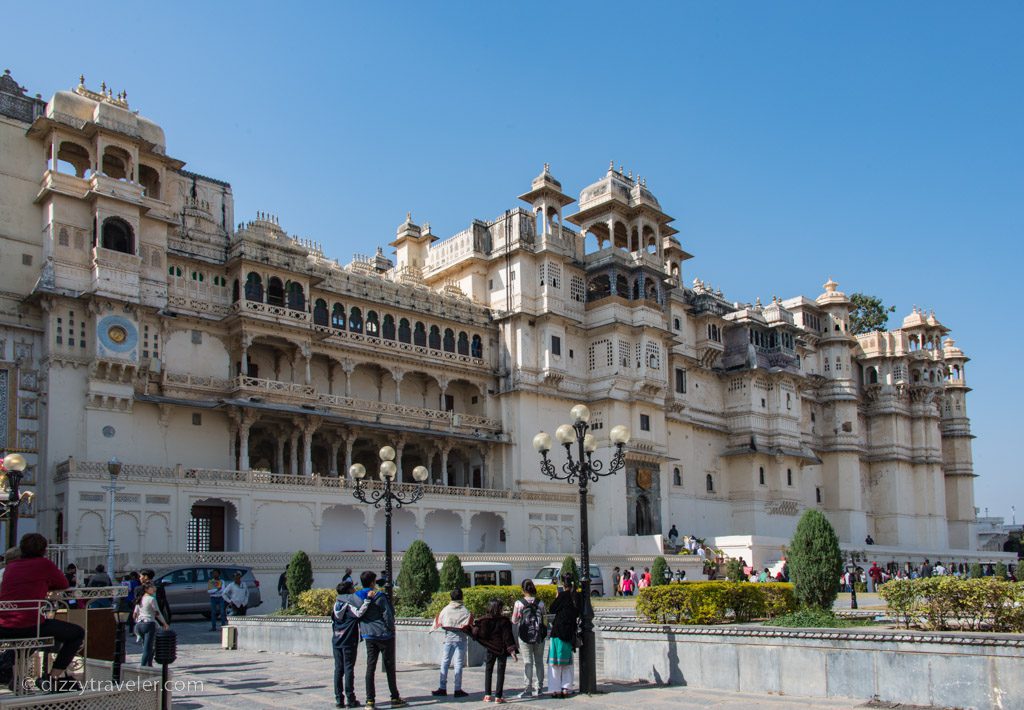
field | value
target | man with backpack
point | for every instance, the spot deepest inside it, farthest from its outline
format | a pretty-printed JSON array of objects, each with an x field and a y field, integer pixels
[{"x": 528, "y": 613}]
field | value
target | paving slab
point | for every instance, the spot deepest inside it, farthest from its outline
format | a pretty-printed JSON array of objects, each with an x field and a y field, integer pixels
[{"x": 216, "y": 678}]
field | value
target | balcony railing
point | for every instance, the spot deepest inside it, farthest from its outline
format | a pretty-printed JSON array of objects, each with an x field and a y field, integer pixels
[
  {"x": 72, "y": 469},
  {"x": 352, "y": 405}
]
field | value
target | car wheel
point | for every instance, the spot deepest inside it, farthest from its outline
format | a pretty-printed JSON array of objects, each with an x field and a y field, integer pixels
[{"x": 595, "y": 593}]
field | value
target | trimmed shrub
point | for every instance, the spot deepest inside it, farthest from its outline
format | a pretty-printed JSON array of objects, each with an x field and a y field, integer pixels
[
  {"x": 815, "y": 561},
  {"x": 452, "y": 575},
  {"x": 975, "y": 570},
  {"x": 1000, "y": 570},
  {"x": 476, "y": 598},
  {"x": 298, "y": 576},
  {"x": 569, "y": 566},
  {"x": 418, "y": 578},
  {"x": 938, "y": 603},
  {"x": 714, "y": 602},
  {"x": 317, "y": 602},
  {"x": 658, "y": 570}
]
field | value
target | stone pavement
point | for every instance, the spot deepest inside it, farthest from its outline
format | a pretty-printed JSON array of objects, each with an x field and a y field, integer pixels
[{"x": 249, "y": 679}]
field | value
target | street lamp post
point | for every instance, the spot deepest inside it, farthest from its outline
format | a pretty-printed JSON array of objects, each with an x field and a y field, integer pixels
[
  {"x": 853, "y": 580},
  {"x": 11, "y": 495},
  {"x": 387, "y": 498},
  {"x": 114, "y": 469},
  {"x": 582, "y": 470}
]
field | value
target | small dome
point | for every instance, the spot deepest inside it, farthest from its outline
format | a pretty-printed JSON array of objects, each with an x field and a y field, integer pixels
[
  {"x": 950, "y": 350},
  {"x": 545, "y": 179},
  {"x": 916, "y": 319},
  {"x": 831, "y": 294},
  {"x": 71, "y": 104}
]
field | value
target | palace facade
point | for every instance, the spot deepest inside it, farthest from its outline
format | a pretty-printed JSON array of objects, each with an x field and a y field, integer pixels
[{"x": 238, "y": 371}]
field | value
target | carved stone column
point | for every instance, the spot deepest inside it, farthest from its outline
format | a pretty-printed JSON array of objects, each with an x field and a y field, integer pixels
[
  {"x": 397, "y": 375},
  {"x": 348, "y": 367},
  {"x": 350, "y": 442},
  {"x": 445, "y": 448},
  {"x": 335, "y": 447},
  {"x": 293, "y": 452},
  {"x": 309, "y": 427},
  {"x": 281, "y": 438}
]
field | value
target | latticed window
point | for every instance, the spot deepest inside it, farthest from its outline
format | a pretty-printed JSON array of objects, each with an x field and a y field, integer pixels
[
  {"x": 198, "y": 535},
  {"x": 577, "y": 289},
  {"x": 554, "y": 275},
  {"x": 653, "y": 356},
  {"x": 624, "y": 353}
]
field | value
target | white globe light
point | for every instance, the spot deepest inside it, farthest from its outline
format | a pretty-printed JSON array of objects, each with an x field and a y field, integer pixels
[
  {"x": 15, "y": 462},
  {"x": 387, "y": 454},
  {"x": 589, "y": 443},
  {"x": 388, "y": 469},
  {"x": 420, "y": 473},
  {"x": 357, "y": 471},
  {"x": 542, "y": 442},
  {"x": 565, "y": 434},
  {"x": 619, "y": 435},
  {"x": 580, "y": 413}
]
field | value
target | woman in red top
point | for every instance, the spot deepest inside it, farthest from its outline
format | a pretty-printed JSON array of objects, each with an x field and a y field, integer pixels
[{"x": 29, "y": 579}]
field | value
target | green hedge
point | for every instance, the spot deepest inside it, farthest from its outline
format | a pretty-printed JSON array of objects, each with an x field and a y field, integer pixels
[
  {"x": 714, "y": 602},
  {"x": 476, "y": 598},
  {"x": 317, "y": 602},
  {"x": 943, "y": 602}
]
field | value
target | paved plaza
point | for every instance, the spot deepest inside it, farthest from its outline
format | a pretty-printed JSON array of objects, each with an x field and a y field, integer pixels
[{"x": 233, "y": 679}]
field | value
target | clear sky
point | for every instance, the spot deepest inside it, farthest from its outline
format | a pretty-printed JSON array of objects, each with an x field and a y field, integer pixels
[{"x": 878, "y": 143}]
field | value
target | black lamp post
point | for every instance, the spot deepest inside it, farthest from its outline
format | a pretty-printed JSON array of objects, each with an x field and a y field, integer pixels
[
  {"x": 387, "y": 498},
  {"x": 853, "y": 581},
  {"x": 582, "y": 470},
  {"x": 121, "y": 614},
  {"x": 11, "y": 495}
]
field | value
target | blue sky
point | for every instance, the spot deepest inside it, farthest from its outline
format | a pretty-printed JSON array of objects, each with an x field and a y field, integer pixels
[{"x": 877, "y": 143}]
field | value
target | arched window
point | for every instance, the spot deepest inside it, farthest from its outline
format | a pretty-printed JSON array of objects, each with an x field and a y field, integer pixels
[
  {"x": 760, "y": 475},
  {"x": 677, "y": 477},
  {"x": 355, "y": 320},
  {"x": 404, "y": 332},
  {"x": 434, "y": 341},
  {"x": 174, "y": 271},
  {"x": 419, "y": 335},
  {"x": 372, "y": 324},
  {"x": 463, "y": 346},
  {"x": 275, "y": 292},
  {"x": 622, "y": 286},
  {"x": 296, "y": 296},
  {"x": 234, "y": 291},
  {"x": 872, "y": 375},
  {"x": 149, "y": 178},
  {"x": 253, "y": 287},
  {"x": 709, "y": 483},
  {"x": 338, "y": 316},
  {"x": 449, "y": 340},
  {"x": 789, "y": 477},
  {"x": 320, "y": 316},
  {"x": 117, "y": 235},
  {"x": 476, "y": 348},
  {"x": 388, "y": 329},
  {"x": 116, "y": 163}
]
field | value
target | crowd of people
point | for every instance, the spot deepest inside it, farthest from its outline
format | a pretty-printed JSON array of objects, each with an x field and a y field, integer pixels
[{"x": 877, "y": 575}]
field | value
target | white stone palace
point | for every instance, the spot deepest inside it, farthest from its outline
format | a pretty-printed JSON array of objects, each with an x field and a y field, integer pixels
[{"x": 237, "y": 371}]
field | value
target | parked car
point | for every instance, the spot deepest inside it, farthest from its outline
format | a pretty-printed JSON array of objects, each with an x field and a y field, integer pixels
[
  {"x": 186, "y": 586},
  {"x": 549, "y": 575},
  {"x": 485, "y": 573}
]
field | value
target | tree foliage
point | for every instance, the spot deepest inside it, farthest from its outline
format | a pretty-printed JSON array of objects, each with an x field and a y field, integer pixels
[
  {"x": 299, "y": 576},
  {"x": 734, "y": 571},
  {"x": 658, "y": 570},
  {"x": 452, "y": 575},
  {"x": 870, "y": 314},
  {"x": 815, "y": 561},
  {"x": 569, "y": 565},
  {"x": 418, "y": 578}
]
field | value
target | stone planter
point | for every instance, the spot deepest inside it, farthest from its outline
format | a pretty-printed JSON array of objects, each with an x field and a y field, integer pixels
[{"x": 414, "y": 644}]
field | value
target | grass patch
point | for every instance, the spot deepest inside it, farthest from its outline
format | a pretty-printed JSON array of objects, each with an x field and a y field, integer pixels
[{"x": 813, "y": 618}]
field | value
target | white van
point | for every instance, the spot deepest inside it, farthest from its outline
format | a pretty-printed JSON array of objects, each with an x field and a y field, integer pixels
[
  {"x": 485, "y": 573},
  {"x": 549, "y": 575}
]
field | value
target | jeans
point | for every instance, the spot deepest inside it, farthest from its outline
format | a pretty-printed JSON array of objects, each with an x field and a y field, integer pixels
[
  {"x": 533, "y": 666},
  {"x": 67, "y": 638},
  {"x": 344, "y": 672},
  {"x": 492, "y": 660},
  {"x": 458, "y": 650},
  {"x": 147, "y": 630},
  {"x": 218, "y": 612},
  {"x": 374, "y": 648}
]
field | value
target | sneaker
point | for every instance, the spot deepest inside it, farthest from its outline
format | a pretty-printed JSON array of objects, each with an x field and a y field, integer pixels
[
  {"x": 398, "y": 703},
  {"x": 354, "y": 704},
  {"x": 488, "y": 698},
  {"x": 439, "y": 693},
  {"x": 499, "y": 700},
  {"x": 460, "y": 693},
  {"x": 371, "y": 704},
  {"x": 525, "y": 694}
]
